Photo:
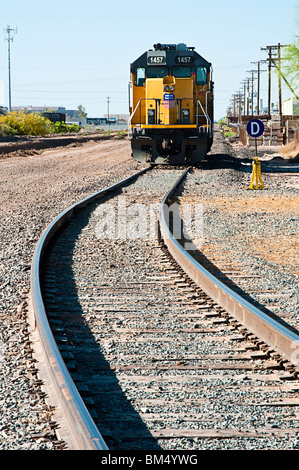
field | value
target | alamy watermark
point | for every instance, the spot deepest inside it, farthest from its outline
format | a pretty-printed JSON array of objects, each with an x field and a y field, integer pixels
[{"x": 140, "y": 221}]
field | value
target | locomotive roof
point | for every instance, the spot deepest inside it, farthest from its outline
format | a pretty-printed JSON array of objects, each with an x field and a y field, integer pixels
[{"x": 170, "y": 52}]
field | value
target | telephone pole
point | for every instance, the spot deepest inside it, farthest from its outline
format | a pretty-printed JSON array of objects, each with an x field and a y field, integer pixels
[
  {"x": 272, "y": 59},
  {"x": 248, "y": 84},
  {"x": 108, "y": 102},
  {"x": 244, "y": 96},
  {"x": 258, "y": 85},
  {"x": 9, "y": 31},
  {"x": 252, "y": 84},
  {"x": 238, "y": 104}
]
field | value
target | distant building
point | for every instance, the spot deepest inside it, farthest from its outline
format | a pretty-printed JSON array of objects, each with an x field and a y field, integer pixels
[
  {"x": 39, "y": 109},
  {"x": 121, "y": 118},
  {"x": 54, "y": 114},
  {"x": 72, "y": 117},
  {"x": 96, "y": 121},
  {"x": 290, "y": 107}
]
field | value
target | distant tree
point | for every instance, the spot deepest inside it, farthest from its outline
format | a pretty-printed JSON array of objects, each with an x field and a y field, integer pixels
[
  {"x": 82, "y": 112},
  {"x": 291, "y": 64}
]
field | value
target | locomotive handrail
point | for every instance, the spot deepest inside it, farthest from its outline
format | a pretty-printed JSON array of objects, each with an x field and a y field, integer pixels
[
  {"x": 139, "y": 102},
  {"x": 177, "y": 100},
  {"x": 131, "y": 117},
  {"x": 205, "y": 115},
  {"x": 209, "y": 91}
]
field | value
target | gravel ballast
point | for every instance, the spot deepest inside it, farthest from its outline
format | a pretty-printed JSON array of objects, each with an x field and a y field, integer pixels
[
  {"x": 152, "y": 358},
  {"x": 35, "y": 189},
  {"x": 252, "y": 234}
]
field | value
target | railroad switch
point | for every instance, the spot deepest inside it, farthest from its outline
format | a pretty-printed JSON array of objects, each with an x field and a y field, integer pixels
[{"x": 256, "y": 176}]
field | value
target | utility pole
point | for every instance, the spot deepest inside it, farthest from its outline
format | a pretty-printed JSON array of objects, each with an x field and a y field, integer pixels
[
  {"x": 252, "y": 82},
  {"x": 234, "y": 98},
  {"x": 279, "y": 81},
  {"x": 248, "y": 81},
  {"x": 272, "y": 61},
  {"x": 244, "y": 94},
  {"x": 258, "y": 85},
  {"x": 108, "y": 102},
  {"x": 238, "y": 103},
  {"x": 246, "y": 97},
  {"x": 9, "y": 31},
  {"x": 234, "y": 105}
]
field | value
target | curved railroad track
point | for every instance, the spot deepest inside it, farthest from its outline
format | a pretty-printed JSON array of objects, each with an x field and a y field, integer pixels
[
  {"x": 159, "y": 353},
  {"x": 78, "y": 429}
]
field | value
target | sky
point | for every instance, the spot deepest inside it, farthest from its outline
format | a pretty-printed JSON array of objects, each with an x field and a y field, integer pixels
[{"x": 70, "y": 53}]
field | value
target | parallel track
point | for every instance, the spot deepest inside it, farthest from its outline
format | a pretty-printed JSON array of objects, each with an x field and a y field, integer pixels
[
  {"x": 282, "y": 339},
  {"x": 229, "y": 309}
]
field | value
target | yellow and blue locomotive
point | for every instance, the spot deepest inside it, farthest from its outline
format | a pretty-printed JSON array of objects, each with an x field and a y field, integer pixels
[{"x": 171, "y": 106}]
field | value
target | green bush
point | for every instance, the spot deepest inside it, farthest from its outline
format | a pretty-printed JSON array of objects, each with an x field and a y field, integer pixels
[
  {"x": 62, "y": 128},
  {"x": 222, "y": 121},
  {"x": 229, "y": 134}
]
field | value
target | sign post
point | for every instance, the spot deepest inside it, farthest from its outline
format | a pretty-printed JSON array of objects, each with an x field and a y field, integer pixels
[{"x": 255, "y": 128}]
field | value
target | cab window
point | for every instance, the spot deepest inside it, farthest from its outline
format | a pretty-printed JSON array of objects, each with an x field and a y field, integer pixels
[
  {"x": 139, "y": 76},
  {"x": 201, "y": 75},
  {"x": 157, "y": 72},
  {"x": 181, "y": 72}
]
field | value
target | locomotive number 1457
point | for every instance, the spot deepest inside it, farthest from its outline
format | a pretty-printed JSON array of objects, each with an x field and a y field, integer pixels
[
  {"x": 157, "y": 60},
  {"x": 184, "y": 59}
]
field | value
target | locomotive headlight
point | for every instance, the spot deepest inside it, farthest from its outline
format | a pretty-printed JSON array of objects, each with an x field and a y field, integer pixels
[
  {"x": 166, "y": 88},
  {"x": 151, "y": 116},
  {"x": 186, "y": 116},
  {"x": 171, "y": 87}
]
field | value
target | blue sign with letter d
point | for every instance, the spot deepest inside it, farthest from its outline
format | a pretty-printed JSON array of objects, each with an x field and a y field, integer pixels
[{"x": 255, "y": 128}]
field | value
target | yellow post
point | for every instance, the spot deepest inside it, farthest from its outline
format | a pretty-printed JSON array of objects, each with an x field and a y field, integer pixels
[{"x": 256, "y": 176}]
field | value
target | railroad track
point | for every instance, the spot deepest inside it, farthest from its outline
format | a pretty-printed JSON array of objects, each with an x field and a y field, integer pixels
[{"x": 159, "y": 354}]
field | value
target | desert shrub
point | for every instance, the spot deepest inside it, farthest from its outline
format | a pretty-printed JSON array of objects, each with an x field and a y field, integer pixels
[
  {"x": 20, "y": 123},
  {"x": 291, "y": 150},
  {"x": 62, "y": 128}
]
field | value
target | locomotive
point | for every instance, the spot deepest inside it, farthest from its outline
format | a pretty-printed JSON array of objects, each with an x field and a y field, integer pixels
[{"x": 171, "y": 106}]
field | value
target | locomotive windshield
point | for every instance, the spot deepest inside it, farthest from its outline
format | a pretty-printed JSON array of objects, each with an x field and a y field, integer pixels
[
  {"x": 201, "y": 75},
  {"x": 140, "y": 76},
  {"x": 181, "y": 72},
  {"x": 157, "y": 72}
]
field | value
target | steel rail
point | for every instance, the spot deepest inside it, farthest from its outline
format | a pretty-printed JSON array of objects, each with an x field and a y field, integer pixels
[
  {"x": 80, "y": 431},
  {"x": 274, "y": 334}
]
